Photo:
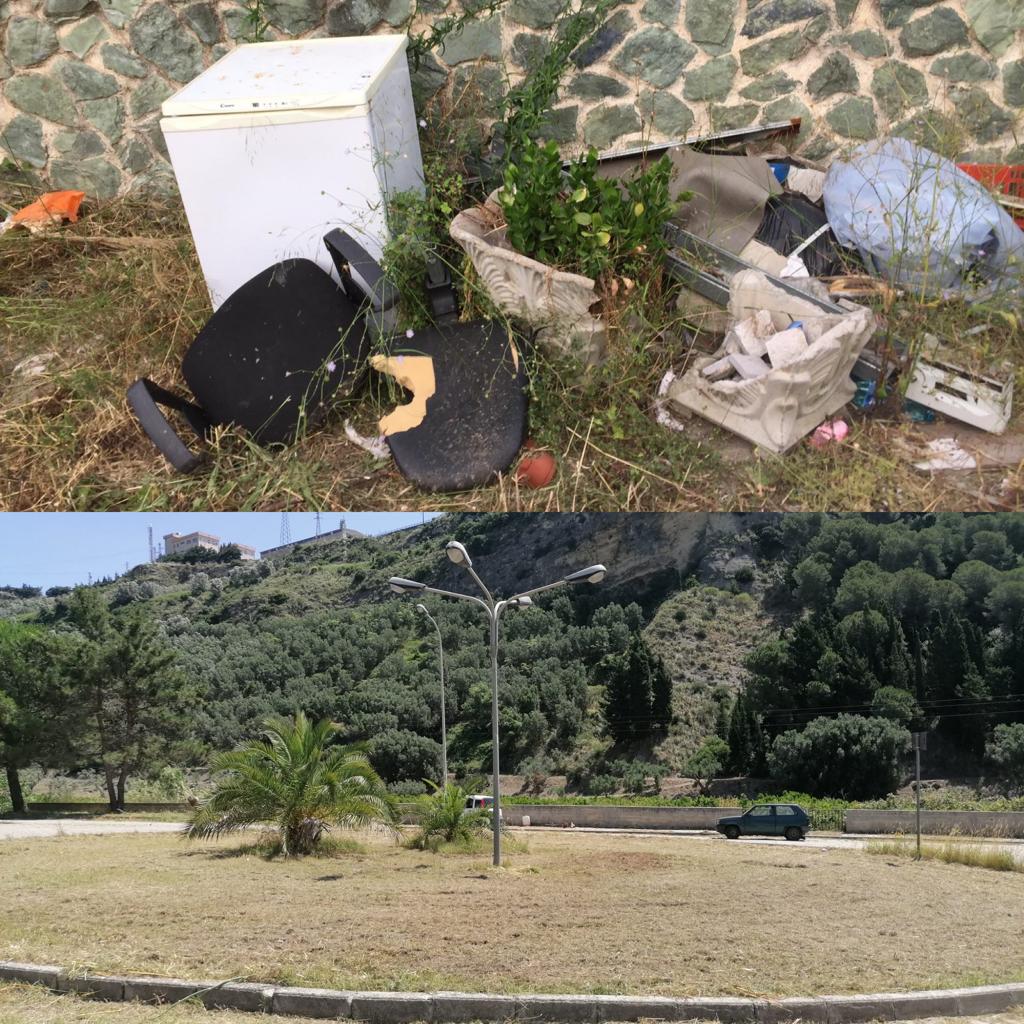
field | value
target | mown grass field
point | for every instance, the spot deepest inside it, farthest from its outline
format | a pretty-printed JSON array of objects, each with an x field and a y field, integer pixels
[
  {"x": 572, "y": 913},
  {"x": 120, "y": 295}
]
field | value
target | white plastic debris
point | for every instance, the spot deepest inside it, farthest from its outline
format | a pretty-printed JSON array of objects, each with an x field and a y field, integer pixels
[
  {"x": 376, "y": 446},
  {"x": 946, "y": 454}
]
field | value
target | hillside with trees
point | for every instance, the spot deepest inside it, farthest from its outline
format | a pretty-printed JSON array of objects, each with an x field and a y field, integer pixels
[{"x": 758, "y": 644}]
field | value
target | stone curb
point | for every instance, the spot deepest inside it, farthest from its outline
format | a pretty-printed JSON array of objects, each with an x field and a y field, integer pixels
[{"x": 462, "y": 1007}]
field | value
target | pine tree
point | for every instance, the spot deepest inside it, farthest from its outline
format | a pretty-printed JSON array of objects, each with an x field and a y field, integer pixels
[
  {"x": 638, "y": 692},
  {"x": 739, "y": 736},
  {"x": 661, "y": 692}
]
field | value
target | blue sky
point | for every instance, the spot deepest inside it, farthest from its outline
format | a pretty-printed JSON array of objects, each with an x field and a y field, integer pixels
[{"x": 47, "y": 549}]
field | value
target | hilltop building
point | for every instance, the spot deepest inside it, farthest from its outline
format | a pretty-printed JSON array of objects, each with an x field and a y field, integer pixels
[{"x": 179, "y": 543}]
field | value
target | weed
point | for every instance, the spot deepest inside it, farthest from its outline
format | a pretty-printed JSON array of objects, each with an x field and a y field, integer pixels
[{"x": 975, "y": 856}]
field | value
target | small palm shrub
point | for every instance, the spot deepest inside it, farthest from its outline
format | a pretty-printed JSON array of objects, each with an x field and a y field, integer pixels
[
  {"x": 297, "y": 781},
  {"x": 444, "y": 819}
]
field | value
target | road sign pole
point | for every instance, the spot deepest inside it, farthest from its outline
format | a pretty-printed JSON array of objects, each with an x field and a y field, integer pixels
[
  {"x": 917, "y": 791},
  {"x": 920, "y": 743}
]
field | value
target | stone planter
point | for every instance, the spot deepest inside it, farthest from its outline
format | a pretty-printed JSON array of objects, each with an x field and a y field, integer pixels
[{"x": 555, "y": 303}]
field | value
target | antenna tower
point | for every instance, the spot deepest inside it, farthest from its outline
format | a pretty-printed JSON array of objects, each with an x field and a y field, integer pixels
[{"x": 286, "y": 530}]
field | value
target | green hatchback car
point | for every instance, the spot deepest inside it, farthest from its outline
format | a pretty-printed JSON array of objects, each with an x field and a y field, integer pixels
[{"x": 789, "y": 820}]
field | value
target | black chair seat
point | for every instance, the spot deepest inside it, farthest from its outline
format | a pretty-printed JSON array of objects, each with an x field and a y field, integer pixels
[{"x": 475, "y": 422}]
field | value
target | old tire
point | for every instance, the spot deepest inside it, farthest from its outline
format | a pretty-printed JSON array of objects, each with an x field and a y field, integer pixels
[
  {"x": 731, "y": 832},
  {"x": 793, "y": 833}
]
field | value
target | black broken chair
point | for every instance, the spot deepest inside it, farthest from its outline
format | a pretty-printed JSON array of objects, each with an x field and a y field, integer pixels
[
  {"x": 274, "y": 354},
  {"x": 473, "y": 378},
  {"x": 288, "y": 341}
]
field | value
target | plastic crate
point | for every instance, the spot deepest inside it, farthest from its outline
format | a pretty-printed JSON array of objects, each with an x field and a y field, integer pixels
[{"x": 1005, "y": 178}]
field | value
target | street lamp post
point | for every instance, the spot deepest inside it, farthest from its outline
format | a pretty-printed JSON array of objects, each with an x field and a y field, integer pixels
[
  {"x": 458, "y": 554},
  {"x": 444, "y": 732}
]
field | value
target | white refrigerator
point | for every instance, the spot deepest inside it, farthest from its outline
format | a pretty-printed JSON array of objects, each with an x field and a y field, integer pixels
[{"x": 278, "y": 143}]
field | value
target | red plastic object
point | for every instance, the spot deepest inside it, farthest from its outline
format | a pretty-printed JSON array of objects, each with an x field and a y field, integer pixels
[
  {"x": 1005, "y": 178},
  {"x": 536, "y": 469}
]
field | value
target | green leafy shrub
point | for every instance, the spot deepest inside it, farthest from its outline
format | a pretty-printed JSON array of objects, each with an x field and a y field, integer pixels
[
  {"x": 1005, "y": 752},
  {"x": 581, "y": 222},
  {"x": 847, "y": 756}
]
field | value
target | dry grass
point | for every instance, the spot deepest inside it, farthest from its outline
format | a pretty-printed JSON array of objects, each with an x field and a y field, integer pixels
[
  {"x": 120, "y": 295},
  {"x": 577, "y": 913},
  {"x": 976, "y": 855}
]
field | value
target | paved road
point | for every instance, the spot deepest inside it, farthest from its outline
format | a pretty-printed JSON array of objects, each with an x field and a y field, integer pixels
[
  {"x": 42, "y": 828},
  {"x": 817, "y": 841}
]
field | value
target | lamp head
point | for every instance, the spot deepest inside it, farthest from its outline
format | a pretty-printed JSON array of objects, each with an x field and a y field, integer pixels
[
  {"x": 402, "y": 586},
  {"x": 458, "y": 554},
  {"x": 521, "y": 602},
  {"x": 592, "y": 574},
  {"x": 422, "y": 608}
]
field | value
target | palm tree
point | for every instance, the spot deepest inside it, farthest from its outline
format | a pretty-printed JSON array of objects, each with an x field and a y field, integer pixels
[
  {"x": 295, "y": 779},
  {"x": 444, "y": 818}
]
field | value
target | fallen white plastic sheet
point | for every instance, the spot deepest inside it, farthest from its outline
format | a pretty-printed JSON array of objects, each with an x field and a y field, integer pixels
[{"x": 946, "y": 454}]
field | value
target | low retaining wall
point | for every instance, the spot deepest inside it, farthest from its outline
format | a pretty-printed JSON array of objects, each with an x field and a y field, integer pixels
[
  {"x": 44, "y": 807},
  {"x": 616, "y": 816},
  {"x": 462, "y": 1007},
  {"x": 969, "y": 823}
]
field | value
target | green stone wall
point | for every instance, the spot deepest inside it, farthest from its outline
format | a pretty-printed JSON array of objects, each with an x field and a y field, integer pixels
[{"x": 81, "y": 81}]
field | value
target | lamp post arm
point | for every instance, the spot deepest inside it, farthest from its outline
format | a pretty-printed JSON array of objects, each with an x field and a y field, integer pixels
[
  {"x": 462, "y": 597},
  {"x": 536, "y": 590},
  {"x": 480, "y": 583}
]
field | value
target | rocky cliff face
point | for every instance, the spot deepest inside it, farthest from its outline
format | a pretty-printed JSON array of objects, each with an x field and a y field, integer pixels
[{"x": 643, "y": 552}]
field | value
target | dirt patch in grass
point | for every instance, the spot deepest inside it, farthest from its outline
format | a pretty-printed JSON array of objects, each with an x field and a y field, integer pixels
[
  {"x": 120, "y": 295},
  {"x": 576, "y": 913}
]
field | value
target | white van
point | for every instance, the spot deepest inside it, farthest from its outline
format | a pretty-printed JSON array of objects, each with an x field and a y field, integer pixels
[{"x": 482, "y": 802}]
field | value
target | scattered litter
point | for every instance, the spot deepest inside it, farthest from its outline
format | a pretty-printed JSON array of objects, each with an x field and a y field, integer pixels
[
  {"x": 916, "y": 412},
  {"x": 50, "y": 210},
  {"x": 794, "y": 226},
  {"x": 808, "y": 182},
  {"x": 946, "y": 454},
  {"x": 661, "y": 413},
  {"x": 729, "y": 195},
  {"x": 859, "y": 286},
  {"x": 865, "y": 396},
  {"x": 775, "y": 406},
  {"x": 824, "y": 435},
  {"x": 376, "y": 446},
  {"x": 536, "y": 468},
  {"x": 982, "y": 399},
  {"x": 919, "y": 221},
  {"x": 1006, "y": 182}
]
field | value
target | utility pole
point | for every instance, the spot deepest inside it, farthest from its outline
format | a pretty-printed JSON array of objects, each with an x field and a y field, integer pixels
[
  {"x": 318, "y": 524},
  {"x": 920, "y": 743}
]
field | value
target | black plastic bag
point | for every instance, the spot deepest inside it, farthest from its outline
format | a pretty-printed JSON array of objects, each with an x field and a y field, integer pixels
[{"x": 789, "y": 220}]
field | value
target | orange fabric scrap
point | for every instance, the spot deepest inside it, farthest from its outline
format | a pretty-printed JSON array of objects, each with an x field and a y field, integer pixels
[{"x": 50, "y": 208}]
